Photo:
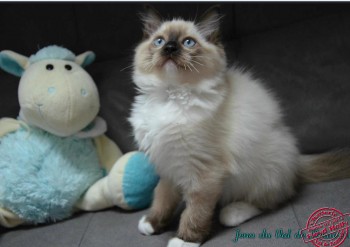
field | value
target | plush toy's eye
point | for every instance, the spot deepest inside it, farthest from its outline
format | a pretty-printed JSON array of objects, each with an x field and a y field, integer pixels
[
  {"x": 49, "y": 67},
  {"x": 188, "y": 42},
  {"x": 68, "y": 67},
  {"x": 159, "y": 42}
]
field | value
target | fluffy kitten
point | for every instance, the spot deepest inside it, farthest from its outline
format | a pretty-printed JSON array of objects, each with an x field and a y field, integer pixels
[{"x": 214, "y": 134}]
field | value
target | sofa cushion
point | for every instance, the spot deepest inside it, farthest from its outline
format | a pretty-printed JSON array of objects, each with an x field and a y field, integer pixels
[{"x": 307, "y": 65}]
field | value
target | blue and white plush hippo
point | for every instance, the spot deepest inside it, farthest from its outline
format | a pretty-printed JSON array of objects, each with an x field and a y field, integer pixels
[{"x": 55, "y": 158}]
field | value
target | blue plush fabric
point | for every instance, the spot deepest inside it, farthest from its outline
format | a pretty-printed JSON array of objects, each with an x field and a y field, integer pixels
[
  {"x": 52, "y": 52},
  {"x": 42, "y": 176},
  {"x": 139, "y": 193}
]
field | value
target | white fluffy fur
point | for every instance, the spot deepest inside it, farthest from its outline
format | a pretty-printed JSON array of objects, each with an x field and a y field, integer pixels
[
  {"x": 145, "y": 227},
  {"x": 176, "y": 242},
  {"x": 237, "y": 212},
  {"x": 176, "y": 124}
]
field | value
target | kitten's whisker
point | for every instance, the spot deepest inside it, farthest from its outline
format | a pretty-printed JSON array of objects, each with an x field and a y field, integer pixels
[
  {"x": 199, "y": 56},
  {"x": 197, "y": 62},
  {"x": 127, "y": 67},
  {"x": 152, "y": 64},
  {"x": 148, "y": 67},
  {"x": 189, "y": 54},
  {"x": 190, "y": 68},
  {"x": 194, "y": 67},
  {"x": 156, "y": 62}
]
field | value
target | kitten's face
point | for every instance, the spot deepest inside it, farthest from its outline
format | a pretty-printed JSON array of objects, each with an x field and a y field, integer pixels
[{"x": 179, "y": 49}]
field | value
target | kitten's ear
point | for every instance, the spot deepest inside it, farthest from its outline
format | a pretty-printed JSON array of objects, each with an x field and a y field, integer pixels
[
  {"x": 209, "y": 24},
  {"x": 151, "y": 20}
]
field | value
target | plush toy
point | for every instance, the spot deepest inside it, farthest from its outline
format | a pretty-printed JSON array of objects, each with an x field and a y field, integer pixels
[{"x": 55, "y": 158}]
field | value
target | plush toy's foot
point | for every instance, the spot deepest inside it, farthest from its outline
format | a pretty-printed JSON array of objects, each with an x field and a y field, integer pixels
[
  {"x": 176, "y": 242},
  {"x": 96, "y": 197},
  {"x": 145, "y": 227}
]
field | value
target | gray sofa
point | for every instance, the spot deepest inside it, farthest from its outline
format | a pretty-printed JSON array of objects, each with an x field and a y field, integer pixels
[{"x": 301, "y": 51}]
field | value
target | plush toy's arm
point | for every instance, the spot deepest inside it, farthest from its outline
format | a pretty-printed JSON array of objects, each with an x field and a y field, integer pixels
[
  {"x": 8, "y": 125},
  {"x": 98, "y": 196},
  {"x": 9, "y": 219},
  {"x": 108, "y": 152}
]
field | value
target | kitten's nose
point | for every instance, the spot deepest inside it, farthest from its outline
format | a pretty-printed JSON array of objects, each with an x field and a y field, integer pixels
[{"x": 171, "y": 47}]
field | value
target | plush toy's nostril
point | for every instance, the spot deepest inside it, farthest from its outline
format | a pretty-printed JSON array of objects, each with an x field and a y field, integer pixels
[
  {"x": 51, "y": 90},
  {"x": 84, "y": 92}
]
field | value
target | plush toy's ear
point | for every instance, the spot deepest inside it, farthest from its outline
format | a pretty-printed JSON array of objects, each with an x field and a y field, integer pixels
[
  {"x": 85, "y": 58},
  {"x": 13, "y": 62}
]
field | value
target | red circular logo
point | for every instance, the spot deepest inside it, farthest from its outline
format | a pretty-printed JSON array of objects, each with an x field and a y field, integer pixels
[{"x": 326, "y": 227}]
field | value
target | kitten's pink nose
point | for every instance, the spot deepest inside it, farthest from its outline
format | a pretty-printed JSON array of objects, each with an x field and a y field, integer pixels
[{"x": 171, "y": 47}]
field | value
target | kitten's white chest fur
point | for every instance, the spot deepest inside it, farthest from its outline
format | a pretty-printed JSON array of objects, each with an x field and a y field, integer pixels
[
  {"x": 167, "y": 122},
  {"x": 160, "y": 134}
]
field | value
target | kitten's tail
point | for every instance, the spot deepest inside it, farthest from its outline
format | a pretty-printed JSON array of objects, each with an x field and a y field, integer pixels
[{"x": 325, "y": 167}]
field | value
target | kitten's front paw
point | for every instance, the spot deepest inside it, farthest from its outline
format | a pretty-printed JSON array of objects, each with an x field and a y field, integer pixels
[
  {"x": 145, "y": 227},
  {"x": 176, "y": 242}
]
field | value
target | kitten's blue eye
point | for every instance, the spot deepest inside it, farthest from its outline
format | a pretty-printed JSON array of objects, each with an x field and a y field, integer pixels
[
  {"x": 189, "y": 42},
  {"x": 159, "y": 42}
]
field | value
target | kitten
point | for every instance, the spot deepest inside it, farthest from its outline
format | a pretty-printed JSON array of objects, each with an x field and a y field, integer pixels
[{"x": 214, "y": 134}]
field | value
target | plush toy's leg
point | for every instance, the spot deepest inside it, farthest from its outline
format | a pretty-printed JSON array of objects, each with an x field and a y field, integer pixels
[
  {"x": 9, "y": 219},
  {"x": 96, "y": 197}
]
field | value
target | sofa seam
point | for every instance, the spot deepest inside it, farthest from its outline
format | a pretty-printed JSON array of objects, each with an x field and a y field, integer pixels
[{"x": 85, "y": 231}]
